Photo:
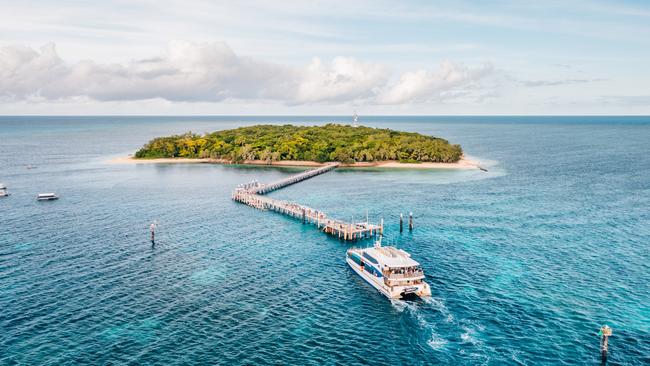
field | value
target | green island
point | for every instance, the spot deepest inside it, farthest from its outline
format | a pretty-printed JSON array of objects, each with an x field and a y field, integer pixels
[{"x": 331, "y": 142}]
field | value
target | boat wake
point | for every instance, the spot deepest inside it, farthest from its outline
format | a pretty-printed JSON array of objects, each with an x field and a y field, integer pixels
[
  {"x": 401, "y": 305},
  {"x": 439, "y": 305},
  {"x": 436, "y": 343},
  {"x": 433, "y": 318},
  {"x": 419, "y": 314}
]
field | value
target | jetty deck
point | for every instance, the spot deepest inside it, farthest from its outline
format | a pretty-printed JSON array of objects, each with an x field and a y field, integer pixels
[
  {"x": 296, "y": 178},
  {"x": 252, "y": 195}
]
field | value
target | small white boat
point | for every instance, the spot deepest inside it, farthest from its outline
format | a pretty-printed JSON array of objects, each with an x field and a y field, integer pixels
[
  {"x": 389, "y": 270},
  {"x": 3, "y": 190},
  {"x": 47, "y": 197}
]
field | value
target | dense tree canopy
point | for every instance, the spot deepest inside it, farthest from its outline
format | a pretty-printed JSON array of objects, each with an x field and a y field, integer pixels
[{"x": 331, "y": 142}]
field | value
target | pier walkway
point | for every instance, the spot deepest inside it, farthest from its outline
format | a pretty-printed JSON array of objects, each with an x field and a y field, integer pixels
[
  {"x": 252, "y": 195},
  {"x": 296, "y": 178}
]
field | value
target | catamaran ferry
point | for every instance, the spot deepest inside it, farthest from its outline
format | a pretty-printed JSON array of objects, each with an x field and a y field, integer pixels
[{"x": 389, "y": 270}]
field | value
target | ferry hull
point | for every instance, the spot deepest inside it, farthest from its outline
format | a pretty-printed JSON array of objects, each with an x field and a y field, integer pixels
[{"x": 419, "y": 290}]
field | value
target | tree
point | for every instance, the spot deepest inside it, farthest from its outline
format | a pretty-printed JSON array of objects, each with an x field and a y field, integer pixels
[{"x": 331, "y": 142}]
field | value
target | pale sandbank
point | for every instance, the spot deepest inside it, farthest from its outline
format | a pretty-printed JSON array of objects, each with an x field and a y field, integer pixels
[{"x": 463, "y": 163}]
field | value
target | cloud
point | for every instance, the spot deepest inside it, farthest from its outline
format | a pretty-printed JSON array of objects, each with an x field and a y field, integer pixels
[
  {"x": 213, "y": 72},
  {"x": 626, "y": 100},
  {"x": 343, "y": 80},
  {"x": 22, "y": 68},
  {"x": 450, "y": 80},
  {"x": 186, "y": 72},
  {"x": 536, "y": 83}
]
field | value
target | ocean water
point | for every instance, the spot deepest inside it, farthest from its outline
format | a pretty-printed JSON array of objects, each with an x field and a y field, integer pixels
[{"x": 526, "y": 261}]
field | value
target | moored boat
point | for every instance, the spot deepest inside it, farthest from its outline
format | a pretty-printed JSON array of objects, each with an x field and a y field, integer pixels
[
  {"x": 47, "y": 197},
  {"x": 390, "y": 270},
  {"x": 3, "y": 190}
]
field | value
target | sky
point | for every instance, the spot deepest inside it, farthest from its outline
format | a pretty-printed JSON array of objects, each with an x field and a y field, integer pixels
[{"x": 324, "y": 57}]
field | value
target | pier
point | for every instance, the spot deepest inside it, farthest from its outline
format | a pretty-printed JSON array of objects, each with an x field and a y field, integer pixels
[
  {"x": 296, "y": 178},
  {"x": 252, "y": 195}
]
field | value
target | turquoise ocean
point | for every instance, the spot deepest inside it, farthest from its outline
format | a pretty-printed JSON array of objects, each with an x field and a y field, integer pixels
[{"x": 526, "y": 261}]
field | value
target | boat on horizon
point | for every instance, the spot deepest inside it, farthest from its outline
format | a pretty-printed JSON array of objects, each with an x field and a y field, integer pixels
[
  {"x": 47, "y": 197},
  {"x": 390, "y": 270}
]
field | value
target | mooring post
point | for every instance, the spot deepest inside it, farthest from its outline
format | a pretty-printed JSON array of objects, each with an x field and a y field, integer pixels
[
  {"x": 410, "y": 221},
  {"x": 381, "y": 227},
  {"x": 604, "y": 334},
  {"x": 152, "y": 228},
  {"x": 303, "y": 216},
  {"x": 401, "y": 222}
]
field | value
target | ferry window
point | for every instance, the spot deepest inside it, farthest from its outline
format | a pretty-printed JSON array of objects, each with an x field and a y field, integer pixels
[
  {"x": 355, "y": 258},
  {"x": 368, "y": 257}
]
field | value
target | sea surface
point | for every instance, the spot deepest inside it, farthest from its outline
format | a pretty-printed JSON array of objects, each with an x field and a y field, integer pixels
[{"x": 526, "y": 261}]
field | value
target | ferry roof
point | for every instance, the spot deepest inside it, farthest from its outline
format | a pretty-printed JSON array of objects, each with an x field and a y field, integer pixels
[{"x": 392, "y": 257}]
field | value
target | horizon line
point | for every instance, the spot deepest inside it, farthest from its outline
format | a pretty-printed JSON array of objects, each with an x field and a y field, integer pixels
[{"x": 324, "y": 115}]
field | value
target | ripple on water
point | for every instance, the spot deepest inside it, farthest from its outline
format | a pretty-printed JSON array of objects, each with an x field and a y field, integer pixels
[
  {"x": 536, "y": 243},
  {"x": 436, "y": 342},
  {"x": 141, "y": 331},
  {"x": 212, "y": 275}
]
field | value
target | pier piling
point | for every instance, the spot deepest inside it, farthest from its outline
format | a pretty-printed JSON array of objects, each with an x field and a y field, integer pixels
[
  {"x": 410, "y": 221},
  {"x": 401, "y": 222}
]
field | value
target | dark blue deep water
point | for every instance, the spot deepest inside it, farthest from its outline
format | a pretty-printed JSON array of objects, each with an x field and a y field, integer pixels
[{"x": 526, "y": 262}]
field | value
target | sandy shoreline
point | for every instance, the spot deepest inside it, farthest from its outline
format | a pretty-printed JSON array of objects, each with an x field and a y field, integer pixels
[{"x": 463, "y": 163}]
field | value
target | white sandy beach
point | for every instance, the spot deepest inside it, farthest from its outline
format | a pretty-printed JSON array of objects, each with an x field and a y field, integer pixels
[{"x": 463, "y": 163}]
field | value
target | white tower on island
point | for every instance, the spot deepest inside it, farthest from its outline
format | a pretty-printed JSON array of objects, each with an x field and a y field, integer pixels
[{"x": 355, "y": 119}]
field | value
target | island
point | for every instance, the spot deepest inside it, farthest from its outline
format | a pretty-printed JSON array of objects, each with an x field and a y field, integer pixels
[{"x": 306, "y": 146}]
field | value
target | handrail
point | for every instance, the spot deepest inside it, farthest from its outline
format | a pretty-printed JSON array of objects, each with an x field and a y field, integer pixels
[{"x": 391, "y": 276}]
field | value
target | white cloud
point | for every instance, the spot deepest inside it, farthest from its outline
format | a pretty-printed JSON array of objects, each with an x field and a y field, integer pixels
[
  {"x": 186, "y": 72},
  {"x": 213, "y": 72},
  {"x": 536, "y": 83},
  {"x": 450, "y": 80},
  {"x": 345, "y": 79},
  {"x": 22, "y": 68}
]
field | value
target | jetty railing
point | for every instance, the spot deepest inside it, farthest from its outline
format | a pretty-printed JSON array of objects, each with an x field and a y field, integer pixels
[
  {"x": 296, "y": 178},
  {"x": 252, "y": 195}
]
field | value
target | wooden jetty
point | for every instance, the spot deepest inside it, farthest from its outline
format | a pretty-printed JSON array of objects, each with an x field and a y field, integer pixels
[
  {"x": 252, "y": 195},
  {"x": 267, "y": 188}
]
